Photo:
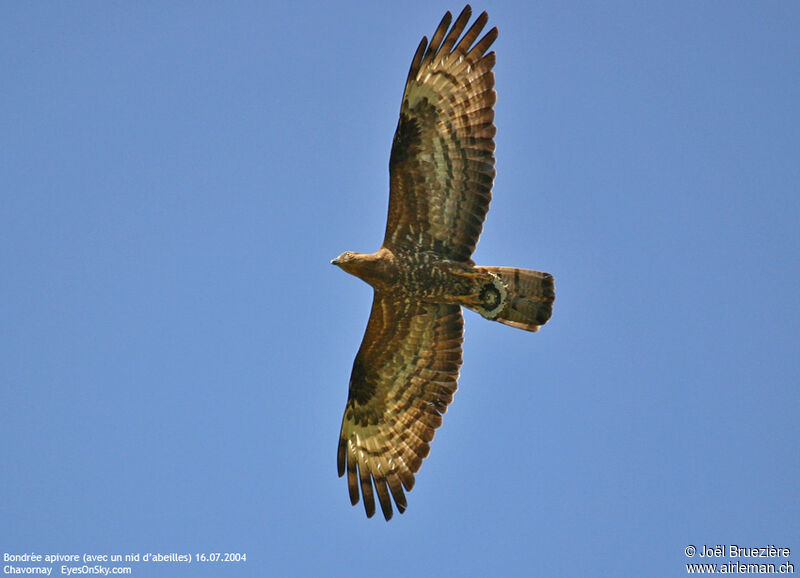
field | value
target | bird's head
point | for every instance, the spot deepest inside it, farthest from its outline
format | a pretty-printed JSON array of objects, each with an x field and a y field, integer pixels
[
  {"x": 368, "y": 267},
  {"x": 342, "y": 259},
  {"x": 349, "y": 261}
]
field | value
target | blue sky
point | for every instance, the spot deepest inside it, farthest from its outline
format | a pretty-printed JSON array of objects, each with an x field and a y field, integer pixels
[{"x": 176, "y": 347}]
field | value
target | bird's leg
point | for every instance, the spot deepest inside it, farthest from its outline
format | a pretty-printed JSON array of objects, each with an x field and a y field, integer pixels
[{"x": 472, "y": 286}]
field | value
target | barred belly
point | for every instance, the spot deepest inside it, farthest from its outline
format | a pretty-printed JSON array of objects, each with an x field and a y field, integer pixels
[{"x": 429, "y": 278}]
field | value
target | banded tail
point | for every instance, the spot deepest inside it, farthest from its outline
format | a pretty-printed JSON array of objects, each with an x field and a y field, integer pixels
[{"x": 527, "y": 301}]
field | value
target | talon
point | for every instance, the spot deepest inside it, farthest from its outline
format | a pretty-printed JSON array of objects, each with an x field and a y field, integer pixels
[{"x": 473, "y": 299}]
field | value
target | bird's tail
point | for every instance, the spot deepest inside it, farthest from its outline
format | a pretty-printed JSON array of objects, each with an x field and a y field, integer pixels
[{"x": 528, "y": 300}]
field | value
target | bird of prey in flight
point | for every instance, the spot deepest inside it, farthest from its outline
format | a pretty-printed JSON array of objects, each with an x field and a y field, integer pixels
[{"x": 441, "y": 173}]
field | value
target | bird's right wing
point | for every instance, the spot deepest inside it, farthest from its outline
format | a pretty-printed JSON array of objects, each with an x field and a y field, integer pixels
[{"x": 404, "y": 376}]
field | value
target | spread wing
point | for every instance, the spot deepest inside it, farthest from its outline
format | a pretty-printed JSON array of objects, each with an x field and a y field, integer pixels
[
  {"x": 442, "y": 162},
  {"x": 404, "y": 376}
]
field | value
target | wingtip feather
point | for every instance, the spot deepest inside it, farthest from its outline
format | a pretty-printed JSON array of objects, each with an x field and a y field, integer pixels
[{"x": 341, "y": 456}]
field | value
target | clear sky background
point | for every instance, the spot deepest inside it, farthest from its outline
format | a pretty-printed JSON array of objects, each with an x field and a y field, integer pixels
[{"x": 175, "y": 347}]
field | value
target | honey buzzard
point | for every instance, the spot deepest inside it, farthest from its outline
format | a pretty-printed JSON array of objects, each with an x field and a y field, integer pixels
[{"x": 441, "y": 173}]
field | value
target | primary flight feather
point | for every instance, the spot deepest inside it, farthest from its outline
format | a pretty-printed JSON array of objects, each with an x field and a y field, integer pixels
[{"x": 441, "y": 173}]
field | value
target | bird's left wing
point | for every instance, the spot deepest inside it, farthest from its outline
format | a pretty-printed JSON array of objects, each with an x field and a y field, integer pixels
[
  {"x": 441, "y": 168},
  {"x": 404, "y": 376}
]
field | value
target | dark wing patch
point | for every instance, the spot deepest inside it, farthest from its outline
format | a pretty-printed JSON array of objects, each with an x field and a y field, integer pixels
[
  {"x": 404, "y": 376},
  {"x": 442, "y": 161}
]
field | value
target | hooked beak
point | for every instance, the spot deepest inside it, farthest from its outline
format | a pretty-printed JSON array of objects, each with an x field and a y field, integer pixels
[{"x": 335, "y": 261}]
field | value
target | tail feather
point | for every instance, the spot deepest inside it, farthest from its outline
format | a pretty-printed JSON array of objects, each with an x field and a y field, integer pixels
[{"x": 530, "y": 296}]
